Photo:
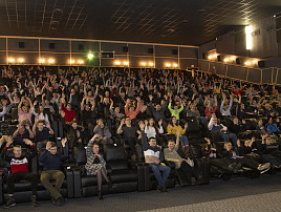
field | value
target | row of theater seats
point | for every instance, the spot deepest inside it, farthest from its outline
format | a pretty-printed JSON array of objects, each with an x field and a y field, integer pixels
[
  {"x": 125, "y": 175},
  {"x": 23, "y": 188}
]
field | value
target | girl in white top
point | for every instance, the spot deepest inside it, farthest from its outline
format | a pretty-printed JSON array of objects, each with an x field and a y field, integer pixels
[
  {"x": 151, "y": 130},
  {"x": 42, "y": 116}
]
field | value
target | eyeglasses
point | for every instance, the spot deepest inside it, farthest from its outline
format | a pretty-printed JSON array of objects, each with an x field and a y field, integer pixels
[{"x": 53, "y": 149}]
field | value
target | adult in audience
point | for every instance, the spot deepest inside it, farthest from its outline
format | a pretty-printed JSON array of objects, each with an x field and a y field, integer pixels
[
  {"x": 153, "y": 156},
  {"x": 42, "y": 134},
  {"x": 103, "y": 131},
  {"x": 96, "y": 164},
  {"x": 186, "y": 165},
  {"x": 130, "y": 134},
  {"x": 23, "y": 131},
  {"x": 52, "y": 161},
  {"x": 222, "y": 130},
  {"x": 19, "y": 171},
  {"x": 25, "y": 113}
]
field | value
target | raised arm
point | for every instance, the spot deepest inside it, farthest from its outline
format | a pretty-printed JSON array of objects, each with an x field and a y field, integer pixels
[
  {"x": 30, "y": 103},
  {"x": 211, "y": 122},
  {"x": 31, "y": 134},
  {"x": 231, "y": 102},
  {"x": 170, "y": 106},
  {"x": 63, "y": 107},
  {"x": 119, "y": 130},
  {"x": 177, "y": 139},
  {"x": 138, "y": 108},
  {"x": 181, "y": 108},
  {"x": 20, "y": 104},
  {"x": 127, "y": 107},
  {"x": 144, "y": 140}
]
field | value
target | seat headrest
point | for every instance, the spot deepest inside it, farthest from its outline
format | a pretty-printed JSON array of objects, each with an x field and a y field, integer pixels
[
  {"x": 196, "y": 150},
  {"x": 115, "y": 153},
  {"x": 79, "y": 155}
]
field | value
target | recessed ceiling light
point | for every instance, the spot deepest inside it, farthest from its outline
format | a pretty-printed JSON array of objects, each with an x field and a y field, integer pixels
[{"x": 202, "y": 10}]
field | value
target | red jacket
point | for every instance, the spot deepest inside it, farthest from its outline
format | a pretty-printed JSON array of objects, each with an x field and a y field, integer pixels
[
  {"x": 70, "y": 115},
  {"x": 237, "y": 93},
  {"x": 132, "y": 114}
]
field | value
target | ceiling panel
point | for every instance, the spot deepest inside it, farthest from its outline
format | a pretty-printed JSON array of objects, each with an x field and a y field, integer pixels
[{"x": 192, "y": 22}]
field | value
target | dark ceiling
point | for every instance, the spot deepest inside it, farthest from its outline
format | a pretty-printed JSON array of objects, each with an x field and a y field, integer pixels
[{"x": 192, "y": 22}]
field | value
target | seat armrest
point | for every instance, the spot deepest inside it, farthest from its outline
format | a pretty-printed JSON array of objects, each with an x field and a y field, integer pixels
[
  {"x": 1, "y": 188},
  {"x": 69, "y": 181},
  {"x": 171, "y": 164},
  {"x": 78, "y": 172}
]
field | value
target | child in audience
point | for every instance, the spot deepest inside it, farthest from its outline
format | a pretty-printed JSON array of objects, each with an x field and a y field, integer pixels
[
  {"x": 187, "y": 165},
  {"x": 173, "y": 127}
]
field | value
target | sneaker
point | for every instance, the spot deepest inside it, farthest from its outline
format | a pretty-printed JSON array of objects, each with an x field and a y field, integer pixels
[
  {"x": 234, "y": 167},
  {"x": 60, "y": 201},
  {"x": 10, "y": 203},
  {"x": 159, "y": 188},
  {"x": 264, "y": 167},
  {"x": 34, "y": 201},
  {"x": 164, "y": 189},
  {"x": 247, "y": 168}
]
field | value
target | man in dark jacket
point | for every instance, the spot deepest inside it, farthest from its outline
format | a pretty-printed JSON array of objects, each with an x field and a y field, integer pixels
[
  {"x": 159, "y": 111},
  {"x": 52, "y": 160}
]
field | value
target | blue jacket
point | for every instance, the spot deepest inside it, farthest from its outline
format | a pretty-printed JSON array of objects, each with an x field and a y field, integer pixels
[
  {"x": 273, "y": 128},
  {"x": 53, "y": 162}
]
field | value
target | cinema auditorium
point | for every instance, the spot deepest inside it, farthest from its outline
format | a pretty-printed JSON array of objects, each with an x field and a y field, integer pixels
[{"x": 140, "y": 105}]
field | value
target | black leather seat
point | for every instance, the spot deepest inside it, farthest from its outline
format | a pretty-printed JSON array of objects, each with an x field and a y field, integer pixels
[
  {"x": 23, "y": 188},
  {"x": 122, "y": 175},
  {"x": 146, "y": 178}
]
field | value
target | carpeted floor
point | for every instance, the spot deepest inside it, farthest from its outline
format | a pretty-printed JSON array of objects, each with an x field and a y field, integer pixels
[{"x": 238, "y": 194}]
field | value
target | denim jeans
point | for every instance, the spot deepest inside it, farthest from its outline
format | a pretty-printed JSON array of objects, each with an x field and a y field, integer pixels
[
  {"x": 157, "y": 168},
  {"x": 229, "y": 137},
  {"x": 184, "y": 140}
]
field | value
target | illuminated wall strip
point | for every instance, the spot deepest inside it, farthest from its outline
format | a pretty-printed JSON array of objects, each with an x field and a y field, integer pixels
[{"x": 249, "y": 39}]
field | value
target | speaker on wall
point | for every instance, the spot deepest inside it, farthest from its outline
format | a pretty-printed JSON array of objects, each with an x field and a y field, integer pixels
[
  {"x": 238, "y": 61},
  {"x": 125, "y": 49},
  {"x": 150, "y": 50},
  {"x": 52, "y": 45},
  {"x": 261, "y": 64},
  {"x": 219, "y": 58},
  {"x": 80, "y": 47},
  {"x": 174, "y": 52},
  {"x": 204, "y": 56},
  {"x": 21, "y": 45},
  {"x": 107, "y": 54}
]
